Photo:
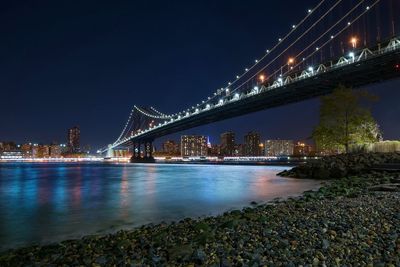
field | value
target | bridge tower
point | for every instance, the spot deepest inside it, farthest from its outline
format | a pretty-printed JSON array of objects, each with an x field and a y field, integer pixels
[{"x": 142, "y": 151}]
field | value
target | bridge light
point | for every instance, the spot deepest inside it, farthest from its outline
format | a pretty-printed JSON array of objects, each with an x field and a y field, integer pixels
[
  {"x": 310, "y": 69},
  {"x": 290, "y": 61},
  {"x": 208, "y": 106},
  {"x": 351, "y": 54},
  {"x": 262, "y": 78},
  {"x": 367, "y": 8},
  {"x": 280, "y": 39},
  {"x": 246, "y": 69},
  {"x": 237, "y": 76},
  {"x": 221, "y": 101},
  {"x": 256, "y": 88},
  {"x": 256, "y": 61},
  {"x": 332, "y": 36},
  {"x": 310, "y": 10},
  {"x": 354, "y": 41},
  {"x": 397, "y": 66},
  {"x": 293, "y": 26},
  {"x": 280, "y": 80},
  {"x": 267, "y": 50},
  {"x": 236, "y": 95}
]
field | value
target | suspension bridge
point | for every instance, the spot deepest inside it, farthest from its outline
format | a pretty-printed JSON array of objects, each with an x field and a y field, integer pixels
[{"x": 352, "y": 43}]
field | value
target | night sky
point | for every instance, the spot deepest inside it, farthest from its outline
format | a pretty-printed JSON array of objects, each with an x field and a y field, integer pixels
[{"x": 86, "y": 63}]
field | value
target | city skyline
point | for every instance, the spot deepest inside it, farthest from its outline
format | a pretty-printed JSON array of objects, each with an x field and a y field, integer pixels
[{"x": 33, "y": 79}]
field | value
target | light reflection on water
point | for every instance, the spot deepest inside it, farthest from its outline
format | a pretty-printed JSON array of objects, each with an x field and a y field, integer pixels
[{"x": 44, "y": 202}]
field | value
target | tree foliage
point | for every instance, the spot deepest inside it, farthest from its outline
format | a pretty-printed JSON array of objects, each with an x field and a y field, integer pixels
[{"x": 345, "y": 120}]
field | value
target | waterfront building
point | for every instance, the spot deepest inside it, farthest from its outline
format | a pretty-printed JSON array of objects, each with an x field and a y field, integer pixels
[
  {"x": 227, "y": 144},
  {"x": 43, "y": 151},
  {"x": 214, "y": 150},
  {"x": 193, "y": 145},
  {"x": 55, "y": 150},
  {"x": 170, "y": 148},
  {"x": 252, "y": 144},
  {"x": 26, "y": 150},
  {"x": 35, "y": 151},
  {"x": 239, "y": 150},
  {"x": 74, "y": 140},
  {"x": 11, "y": 155},
  {"x": 278, "y": 148},
  {"x": 8, "y": 146},
  {"x": 302, "y": 149}
]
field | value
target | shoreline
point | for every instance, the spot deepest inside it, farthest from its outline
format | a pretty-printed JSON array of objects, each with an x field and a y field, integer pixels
[{"x": 297, "y": 230}]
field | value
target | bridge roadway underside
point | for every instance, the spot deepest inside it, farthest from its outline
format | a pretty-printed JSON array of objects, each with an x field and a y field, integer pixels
[{"x": 374, "y": 70}]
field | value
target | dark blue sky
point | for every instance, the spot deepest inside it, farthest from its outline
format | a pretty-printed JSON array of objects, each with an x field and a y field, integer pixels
[{"x": 86, "y": 63}]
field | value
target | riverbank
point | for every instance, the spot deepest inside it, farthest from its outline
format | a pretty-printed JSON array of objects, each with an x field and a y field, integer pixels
[{"x": 345, "y": 222}]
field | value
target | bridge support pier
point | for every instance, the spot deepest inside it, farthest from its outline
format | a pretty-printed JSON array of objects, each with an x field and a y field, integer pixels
[{"x": 147, "y": 152}]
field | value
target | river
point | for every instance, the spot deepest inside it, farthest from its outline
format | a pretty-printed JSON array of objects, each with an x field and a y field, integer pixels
[{"x": 47, "y": 202}]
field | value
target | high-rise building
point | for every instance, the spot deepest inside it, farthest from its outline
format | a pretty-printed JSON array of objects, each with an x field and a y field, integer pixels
[
  {"x": 228, "y": 144},
  {"x": 278, "y": 148},
  {"x": 252, "y": 144},
  {"x": 170, "y": 148},
  {"x": 74, "y": 140},
  {"x": 193, "y": 145}
]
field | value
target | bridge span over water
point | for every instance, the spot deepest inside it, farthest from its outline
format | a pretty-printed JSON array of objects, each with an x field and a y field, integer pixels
[{"x": 312, "y": 72}]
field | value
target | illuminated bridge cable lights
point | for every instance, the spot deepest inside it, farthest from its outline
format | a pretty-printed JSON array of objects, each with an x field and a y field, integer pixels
[
  {"x": 293, "y": 29},
  {"x": 293, "y": 43},
  {"x": 343, "y": 29},
  {"x": 342, "y": 60}
]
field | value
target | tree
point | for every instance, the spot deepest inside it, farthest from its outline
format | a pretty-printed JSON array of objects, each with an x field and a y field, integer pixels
[{"x": 345, "y": 120}]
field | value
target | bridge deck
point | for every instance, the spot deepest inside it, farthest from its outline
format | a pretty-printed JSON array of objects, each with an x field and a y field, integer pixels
[{"x": 373, "y": 70}]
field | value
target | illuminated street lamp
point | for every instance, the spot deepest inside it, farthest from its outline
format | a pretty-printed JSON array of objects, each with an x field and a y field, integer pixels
[
  {"x": 353, "y": 42},
  {"x": 290, "y": 63}
]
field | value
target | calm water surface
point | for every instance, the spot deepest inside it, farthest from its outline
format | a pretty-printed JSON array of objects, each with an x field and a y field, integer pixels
[{"x": 41, "y": 203}]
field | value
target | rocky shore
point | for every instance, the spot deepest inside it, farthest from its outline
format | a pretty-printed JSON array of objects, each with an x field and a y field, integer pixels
[
  {"x": 347, "y": 222},
  {"x": 335, "y": 167}
]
